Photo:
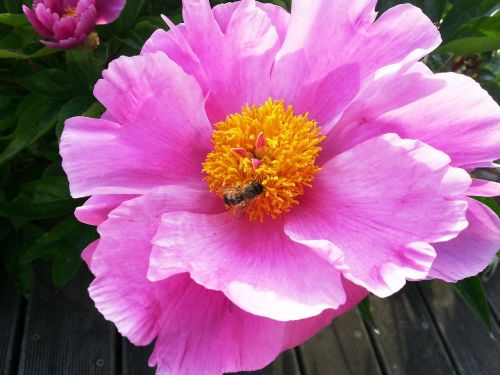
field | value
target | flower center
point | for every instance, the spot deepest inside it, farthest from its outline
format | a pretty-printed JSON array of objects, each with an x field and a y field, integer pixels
[
  {"x": 69, "y": 12},
  {"x": 263, "y": 158}
]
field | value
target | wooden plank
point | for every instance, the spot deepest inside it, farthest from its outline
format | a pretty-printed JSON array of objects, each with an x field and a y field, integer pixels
[
  {"x": 343, "y": 348},
  {"x": 473, "y": 349},
  {"x": 64, "y": 334},
  {"x": 356, "y": 345},
  {"x": 135, "y": 359},
  {"x": 492, "y": 287},
  {"x": 323, "y": 355},
  {"x": 408, "y": 343},
  {"x": 10, "y": 319}
]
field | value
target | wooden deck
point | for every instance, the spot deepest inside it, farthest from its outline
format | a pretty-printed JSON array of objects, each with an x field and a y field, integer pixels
[{"x": 423, "y": 331}]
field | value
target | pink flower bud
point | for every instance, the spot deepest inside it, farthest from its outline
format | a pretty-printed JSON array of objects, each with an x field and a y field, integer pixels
[{"x": 69, "y": 23}]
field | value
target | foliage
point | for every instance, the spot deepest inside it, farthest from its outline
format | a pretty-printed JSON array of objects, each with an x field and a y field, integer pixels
[{"x": 41, "y": 87}]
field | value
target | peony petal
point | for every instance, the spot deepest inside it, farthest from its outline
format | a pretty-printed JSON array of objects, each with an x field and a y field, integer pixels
[
  {"x": 326, "y": 98},
  {"x": 108, "y": 10},
  {"x": 55, "y": 5},
  {"x": 86, "y": 21},
  {"x": 472, "y": 250},
  {"x": 199, "y": 331},
  {"x": 37, "y": 25},
  {"x": 88, "y": 253},
  {"x": 482, "y": 188},
  {"x": 65, "y": 28},
  {"x": 72, "y": 42},
  {"x": 319, "y": 32},
  {"x": 373, "y": 210},
  {"x": 121, "y": 290},
  {"x": 202, "y": 332},
  {"x": 431, "y": 108},
  {"x": 96, "y": 208},
  {"x": 46, "y": 16},
  {"x": 51, "y": 44},
  {"x": 254, "y": 264},
  {"x": 71, "y": 3},
  {"x": 175, "y": 45},
  {"x": 236, "y": 64},
  {"x": 163, "y": 135},
  {"x": 280, "y": 18},
  {"x": 175, "y": 42}
]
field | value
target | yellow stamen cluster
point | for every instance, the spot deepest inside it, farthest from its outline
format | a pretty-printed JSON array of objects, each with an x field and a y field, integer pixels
[
  {"x": 284, "y": 164},
  {"x": 70, "y": 12}
]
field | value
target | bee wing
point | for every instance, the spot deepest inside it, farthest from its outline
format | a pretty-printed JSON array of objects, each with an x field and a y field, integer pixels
[
  {"x": 239, "y": 210},
  {"x": 231, "y": 190}
]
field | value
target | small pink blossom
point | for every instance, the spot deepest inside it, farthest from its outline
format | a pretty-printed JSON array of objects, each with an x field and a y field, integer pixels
[
  {"x": 361, "y": 152},
  {"x": 67, "y": 23}
]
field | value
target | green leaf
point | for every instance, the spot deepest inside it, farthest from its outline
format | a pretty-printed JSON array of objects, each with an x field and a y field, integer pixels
[
  {"x": 434, "y": 9},
  {"x": 6, "y": 53},
  {"x": 7, "y": 122},
  {"x": 36, "y": 116},
  {"x": 5, "y": 228},
  {"x": 463, "y": 12},
  {"x": 14, "y": 20},
  {"x": 484, "y": 26},
  {"x": 54, "y": 83},
  {"x": 42, "y": 199},
  {"x": 75, "y": 107},
  {"x": 85, "y": 67},
  {"x": 21, "y": 274},
  {"x": 13, "y": 6},
  {"x": 472, "y": 292},
  {"x": 37, "y": 211},
  {"x": 45, "y": 190},
  {"x": 366, "y": 313},
  {"x": 69, "y": 236},
  {"x": 94, "y": 111},
  {"x": 128, "y": 16},
  {"x": 68, "y": 258},
  {"x": 11, "y": 54},
  {"x": 479, "y": 35},
  {"x": 467, "y": 46}
]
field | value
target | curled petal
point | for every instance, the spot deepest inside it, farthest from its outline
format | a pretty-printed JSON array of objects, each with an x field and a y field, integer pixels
[
  {"x": 96, "y": 208},
  {"x": 254, "y": 264},
  {"x": 280, "y": 18},
  {"x": 431, "y": 108},
  {"x": 315, "y": 47},
  {"x": 88, "y": 253},
  {"x": 241, "y": 54},
  {"x": 473, "y": 249},
  {"x": 108, "y": 10},
  {"x": 482, "y": 188},
  {"x": 373, "y": 210}
]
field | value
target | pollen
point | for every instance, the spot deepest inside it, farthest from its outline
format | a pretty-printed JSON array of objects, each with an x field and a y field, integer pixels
[
  {"x": 70, "y": 12},
  {"x": 270, "y": 145}
]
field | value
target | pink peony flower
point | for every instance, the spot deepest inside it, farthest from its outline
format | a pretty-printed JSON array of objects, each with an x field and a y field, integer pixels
[
  {"x": 68, "y": 23},
  {"x": 349, "y": 156}
]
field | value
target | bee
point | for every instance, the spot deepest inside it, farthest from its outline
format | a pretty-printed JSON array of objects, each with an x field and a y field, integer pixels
[{"x": 240, "y": 196}]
